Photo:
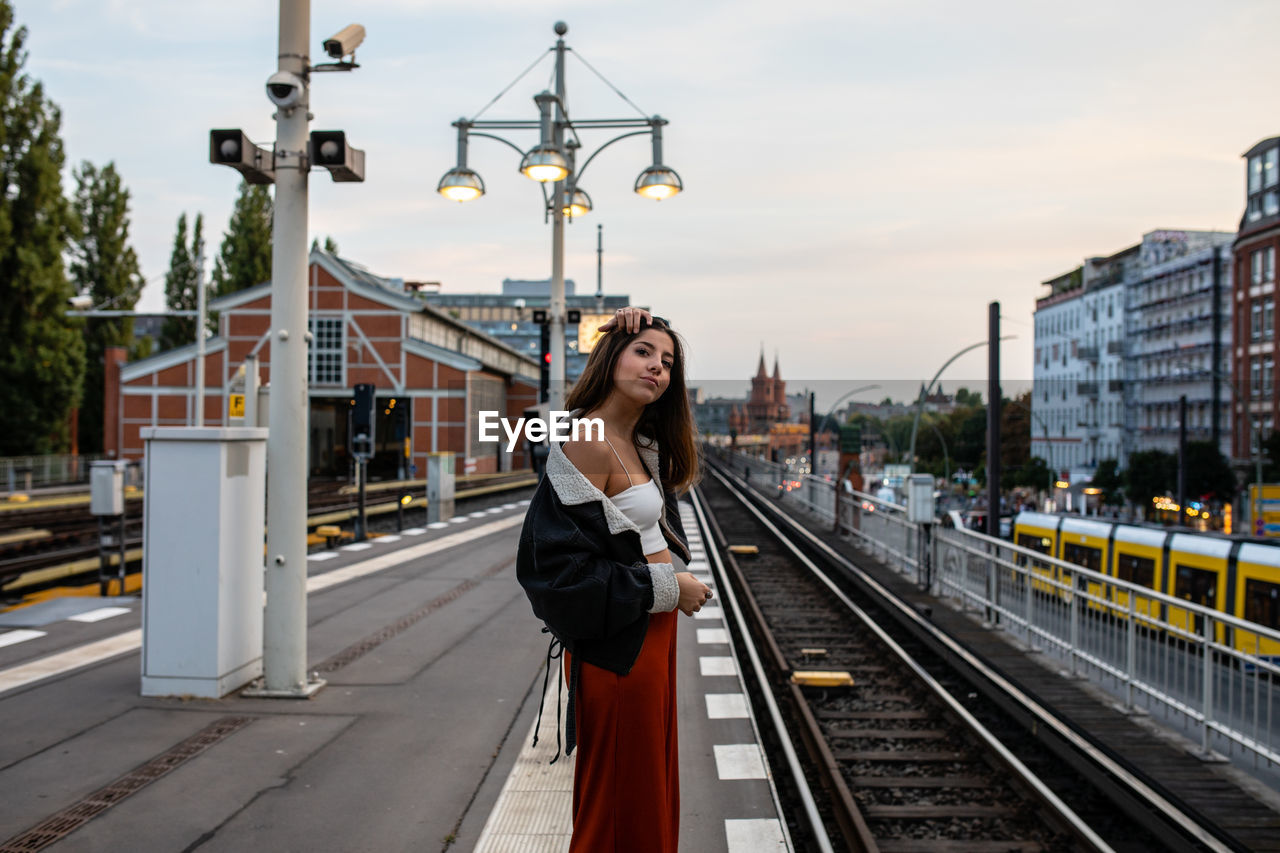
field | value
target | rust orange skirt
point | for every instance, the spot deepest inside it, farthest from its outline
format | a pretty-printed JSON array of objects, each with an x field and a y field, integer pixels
[{"x": 626, "y": 784}]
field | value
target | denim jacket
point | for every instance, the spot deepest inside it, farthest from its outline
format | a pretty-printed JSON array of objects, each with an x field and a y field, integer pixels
[{"x": 582, "y": 567}]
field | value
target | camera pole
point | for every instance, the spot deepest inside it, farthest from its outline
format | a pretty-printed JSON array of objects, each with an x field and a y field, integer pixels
[{"x": 285, "y": 625}]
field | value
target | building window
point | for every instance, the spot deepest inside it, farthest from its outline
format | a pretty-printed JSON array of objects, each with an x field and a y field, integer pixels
[
  {"x": 1255, "y": 174},
  {"x": 1268, "y": 317},
  {"x": 1270, "y": 203},
  {"x": 1255, "y": 322},
  {"x": 1255, "y": 377},
  {"x": 1269, "y": 171},
  {"x": 1268, "y": 369},
  {"x": 324, "y": 356}
]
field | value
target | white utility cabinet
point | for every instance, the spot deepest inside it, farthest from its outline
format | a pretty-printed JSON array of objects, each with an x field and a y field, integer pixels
[
  {"x": 920, "y": 499},
  {"x": 202, "y": 590}
]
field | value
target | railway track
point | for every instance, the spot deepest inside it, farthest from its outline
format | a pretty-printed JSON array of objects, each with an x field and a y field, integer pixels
[
  {"x": 900, "y": 749},
  {"x": 45, "y": 543}
]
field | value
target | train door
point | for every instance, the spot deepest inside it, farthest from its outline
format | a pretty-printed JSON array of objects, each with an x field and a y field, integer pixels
[
  {"x": 1136, "y": 569},
  {"x": 1041, "y": 544},
  {"x": 1197, "y": 573},
  {"x": 1258, "y": 582},
  {"x": 1199, "y": 586},
  {"x": 1085, "y": 556}
]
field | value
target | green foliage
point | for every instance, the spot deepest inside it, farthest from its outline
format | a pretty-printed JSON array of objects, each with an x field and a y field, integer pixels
[
  {"x": 1110, "y": 479},
  {"x": 965, "y": 397},
  {"x": 1036, "y": 474},
  {"x": 1209, "y": 474},
  {"x": 244, "y": 260},
  {"x": 41, "y": 349},
  {"x": 1015, "y": 441},
  {"x": 181, "y": 284},
  {"x": 1151, "y": 473},
  {"x": 330, "y": 245},
  {"x": 104, "y": 266}
]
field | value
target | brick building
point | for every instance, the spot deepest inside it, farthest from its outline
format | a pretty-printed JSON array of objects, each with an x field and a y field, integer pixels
[
  {"x": 1253, "y": 286},
  {"x": 432, "y": 372}
]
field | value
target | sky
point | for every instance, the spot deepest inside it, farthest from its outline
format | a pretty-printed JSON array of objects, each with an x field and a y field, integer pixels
[{"x": 862, "y": 177}]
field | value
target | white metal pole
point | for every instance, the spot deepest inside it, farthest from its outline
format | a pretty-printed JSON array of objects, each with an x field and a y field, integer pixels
[
  {"x": 202, "y": 318},
  {"x": 285, "y": 628},
  {"x": 557, "y": 313}
]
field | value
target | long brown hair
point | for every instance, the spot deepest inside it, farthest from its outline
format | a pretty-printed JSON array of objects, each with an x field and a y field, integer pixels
[{"x": 666, "y": 420}]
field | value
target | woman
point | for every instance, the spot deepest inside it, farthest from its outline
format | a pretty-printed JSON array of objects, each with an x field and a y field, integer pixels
[{"x": 597, "y": 560}]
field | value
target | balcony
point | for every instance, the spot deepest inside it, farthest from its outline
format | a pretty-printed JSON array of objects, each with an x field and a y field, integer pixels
[
  {"x": 1115, "y": 347},
  {"x": 1087, "y": 353},
  {"x": 1115, "y": 386},
  {"x": 1087, "y": 389}
]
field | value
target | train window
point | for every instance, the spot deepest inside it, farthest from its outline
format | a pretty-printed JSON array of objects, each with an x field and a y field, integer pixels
[
  {"x": 1036, "y": 543},
  {"x": 1196, "y": 585},
  {"x": 1082, "y": 555},
  {"x": 1139, "y": 570},
  {"x": 1262, "y": 603}
]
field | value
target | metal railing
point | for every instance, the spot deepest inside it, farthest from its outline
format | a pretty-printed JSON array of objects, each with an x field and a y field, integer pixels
[
  {"x": 22, "y": 473},
  {"x": 1213, "y": 673}
]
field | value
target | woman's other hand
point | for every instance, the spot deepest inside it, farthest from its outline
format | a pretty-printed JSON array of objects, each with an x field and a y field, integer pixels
[
  {"x": 693, "y": 593},
  {"x": 627, "y": 319}
]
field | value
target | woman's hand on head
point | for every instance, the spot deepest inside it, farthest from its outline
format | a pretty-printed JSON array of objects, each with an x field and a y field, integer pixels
[
  {"x": 693, "y": 593},
  {"x": 627, "y": 319}
]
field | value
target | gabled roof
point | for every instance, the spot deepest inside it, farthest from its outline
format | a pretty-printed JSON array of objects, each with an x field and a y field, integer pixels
[{"x": 384, "y": 291}]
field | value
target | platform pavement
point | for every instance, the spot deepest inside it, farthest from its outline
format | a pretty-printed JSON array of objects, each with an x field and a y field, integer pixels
[{"x": 434, "y": 670}]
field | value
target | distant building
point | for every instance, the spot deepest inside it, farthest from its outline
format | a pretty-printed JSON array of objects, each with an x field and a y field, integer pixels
[
  {"x": 1179, "y": 336},
  {"x": 1253, "y": 321},
  {"x": 1119, "y": 340},
  {"x": 767, "y": 404},
  {"x": 508, "y": 316}
]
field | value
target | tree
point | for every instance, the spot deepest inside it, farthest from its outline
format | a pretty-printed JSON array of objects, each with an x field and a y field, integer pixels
[
  {"x": 965, "y": 397},
  {"x": 104, "y": 266},
  {"x": 1110, "y": 480},
  {"x": 1209, "y": 475},
  {"x": 181, "y": 288},
  {"x": 244, "y": 260},
  {"x": 1151, "y": 473},
  {"x": 41, "y": 349},
  {"x": 330, "y": 245},
  {"x": 1015, "y": 440}
]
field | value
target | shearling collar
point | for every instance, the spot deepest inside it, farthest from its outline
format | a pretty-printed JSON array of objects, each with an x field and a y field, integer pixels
[{"x": 572, "y": 486}]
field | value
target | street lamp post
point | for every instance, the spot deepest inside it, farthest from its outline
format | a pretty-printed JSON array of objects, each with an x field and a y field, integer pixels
[
  {"x": 554, "y": 161},
  {"x": 928, "y": 389}
]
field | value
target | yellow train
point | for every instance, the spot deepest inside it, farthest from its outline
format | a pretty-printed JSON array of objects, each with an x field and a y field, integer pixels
[{"x": 1231, "y": 575}]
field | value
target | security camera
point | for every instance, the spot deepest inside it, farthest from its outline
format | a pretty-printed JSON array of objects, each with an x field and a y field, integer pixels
[
  {"x": 285, "y": 89},
  {"x": 344, "y": 42}
]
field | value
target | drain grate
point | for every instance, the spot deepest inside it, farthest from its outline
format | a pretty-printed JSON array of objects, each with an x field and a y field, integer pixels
[
  {"x": 363, "y": 647},
  {"x": 62, "y": 824}
]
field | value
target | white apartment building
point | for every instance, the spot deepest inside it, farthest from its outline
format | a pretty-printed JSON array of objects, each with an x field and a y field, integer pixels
[
  {"x": 1078, "y": 381},
  {"x": 1179, "y": 340}
]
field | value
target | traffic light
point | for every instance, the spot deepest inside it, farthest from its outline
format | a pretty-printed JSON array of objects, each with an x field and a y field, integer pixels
[
  {"x": 329, "y": 149},
  {"x": 232, "y": 148},
  {"x": 362, "y": 419},
  {"x": 544, "y": 347}
]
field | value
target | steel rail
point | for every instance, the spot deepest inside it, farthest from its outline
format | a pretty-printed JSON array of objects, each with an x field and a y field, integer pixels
[
  {"x": 775, "y": 715},
  {"x": 1176, "y": 815},
  {"x": 1081, "y": 830}
]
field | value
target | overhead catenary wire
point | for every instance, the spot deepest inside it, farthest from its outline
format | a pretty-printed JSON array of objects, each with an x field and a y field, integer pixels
[
  {"x": 615, "y": 89},
  {"x": 523, "y": 73}
]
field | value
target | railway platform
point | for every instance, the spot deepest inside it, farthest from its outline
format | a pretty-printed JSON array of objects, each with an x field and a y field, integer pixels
[{"x": 419, "y": 741}]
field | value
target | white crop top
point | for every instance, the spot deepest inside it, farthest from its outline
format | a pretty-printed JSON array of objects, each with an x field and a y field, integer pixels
[{"x": 642, "y": 503}]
